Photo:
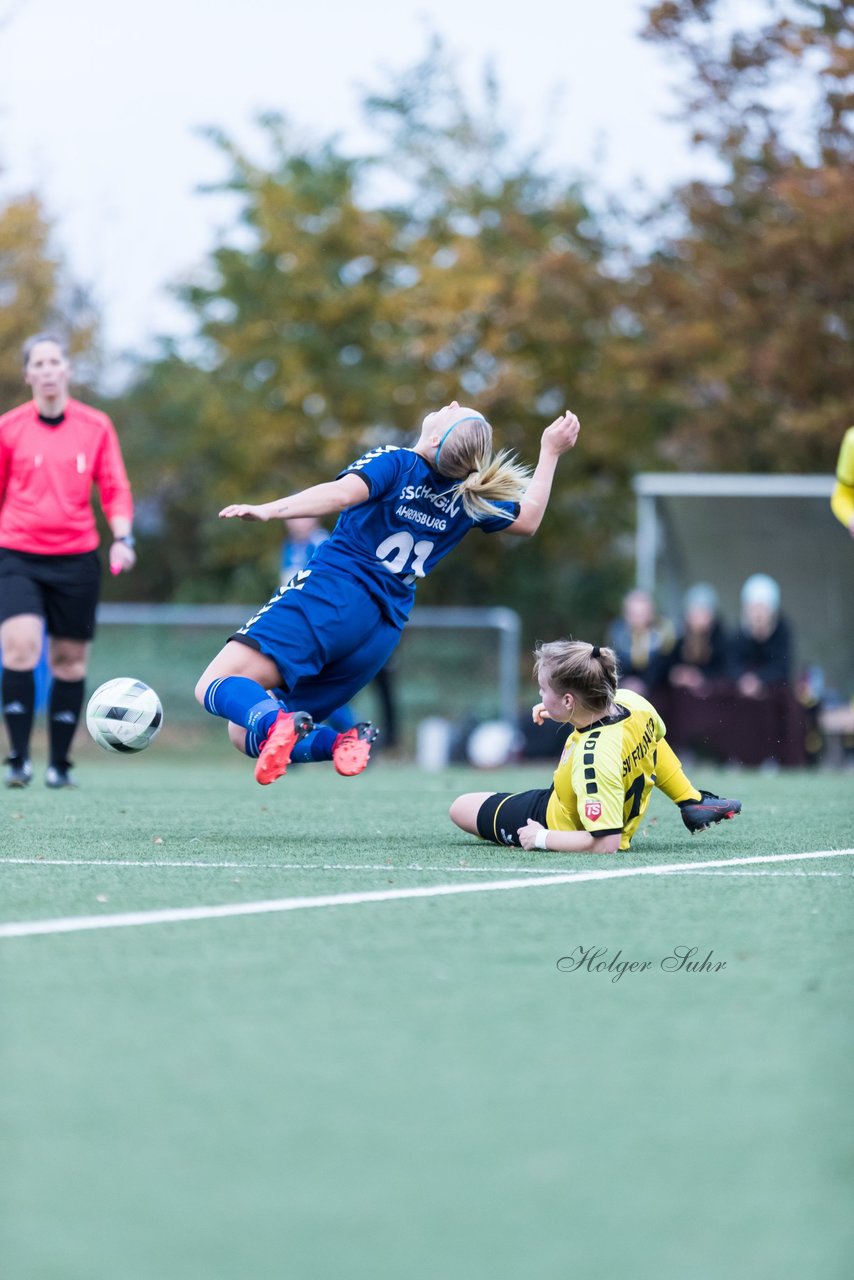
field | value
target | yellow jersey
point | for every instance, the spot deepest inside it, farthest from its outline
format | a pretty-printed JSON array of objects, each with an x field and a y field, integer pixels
[
  {"x": 842, "y": 500},
  {"x": 606, "y": 772}
]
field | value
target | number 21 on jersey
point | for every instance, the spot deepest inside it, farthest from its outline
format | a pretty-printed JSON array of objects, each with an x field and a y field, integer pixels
[{"x": 395, "y": 552}]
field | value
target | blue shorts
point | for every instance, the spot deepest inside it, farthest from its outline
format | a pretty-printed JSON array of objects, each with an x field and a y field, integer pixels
[{"x": 327, "y": 637}]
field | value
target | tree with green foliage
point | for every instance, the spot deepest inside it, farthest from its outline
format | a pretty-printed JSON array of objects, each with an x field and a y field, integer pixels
[
  {"x": 35, "y": 293},
  {"x": 359, "y": 292},
  {"x": 744, "y": 314},
  {"x": 290, "y": 373},
  {"x": 337, "y": 321}
]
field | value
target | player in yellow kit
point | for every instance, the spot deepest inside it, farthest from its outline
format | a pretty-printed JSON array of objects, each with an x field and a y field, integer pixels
[
  {"x": 609, "y": 765},
  {"x": 842, "y": 499}
]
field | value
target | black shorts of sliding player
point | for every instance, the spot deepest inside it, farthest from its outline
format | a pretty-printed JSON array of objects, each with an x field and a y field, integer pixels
[{"x": 500, "y": 817}]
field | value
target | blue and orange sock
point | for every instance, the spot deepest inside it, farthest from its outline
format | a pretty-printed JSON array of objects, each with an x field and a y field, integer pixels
[
  {"x": 315, "y": 746},
  {"x": 243, "y": 701},
  {"x": 341, "y": 719}
]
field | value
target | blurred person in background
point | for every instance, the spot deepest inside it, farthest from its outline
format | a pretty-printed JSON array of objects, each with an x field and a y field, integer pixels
[
  {"x": 761, "y": 655},
  {"x": 697, "y": 699},
  {"x": 52, "y": 450},
  {"x": 701, "y": 652},
  {"x": 765, "y": 722},
  {"x": 304, "y": 534},
  {"x": 642, "y": 641},
  {"x": 842, "y": 498}
]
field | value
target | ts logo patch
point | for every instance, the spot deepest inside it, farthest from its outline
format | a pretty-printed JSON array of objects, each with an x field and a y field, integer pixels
[{"x": 593, "y": 810}]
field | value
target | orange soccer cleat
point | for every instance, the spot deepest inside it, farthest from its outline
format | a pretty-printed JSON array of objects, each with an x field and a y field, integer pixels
[
  {"x": 288, "y": 728},
  {"x": 352, "y": 749}
]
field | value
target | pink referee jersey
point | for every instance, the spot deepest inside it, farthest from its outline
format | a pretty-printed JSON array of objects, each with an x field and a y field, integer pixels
[{"x": 46, "y": 478}]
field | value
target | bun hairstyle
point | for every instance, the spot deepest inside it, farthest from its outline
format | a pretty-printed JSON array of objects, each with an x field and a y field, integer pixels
[
  {"x": 580, "y": 668},
  {"x": 483, "y": 478}
]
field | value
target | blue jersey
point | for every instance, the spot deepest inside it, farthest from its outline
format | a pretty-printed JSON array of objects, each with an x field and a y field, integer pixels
[{"x": 411, "y": 520}]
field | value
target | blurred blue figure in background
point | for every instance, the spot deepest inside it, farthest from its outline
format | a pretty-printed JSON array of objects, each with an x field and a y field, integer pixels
[{"x": 304, "y": 535}]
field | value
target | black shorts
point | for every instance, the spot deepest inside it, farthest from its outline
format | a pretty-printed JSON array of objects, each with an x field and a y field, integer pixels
[
  {"x": 63, "y": 590},
  {"x": 500, "y": 817}
]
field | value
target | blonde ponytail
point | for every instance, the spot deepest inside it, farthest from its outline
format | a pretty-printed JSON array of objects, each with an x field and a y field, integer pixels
[{"x": 484, "y": 478}]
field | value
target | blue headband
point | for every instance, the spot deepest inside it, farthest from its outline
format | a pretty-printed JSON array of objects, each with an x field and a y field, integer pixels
[{"x": 474, "y": 417}]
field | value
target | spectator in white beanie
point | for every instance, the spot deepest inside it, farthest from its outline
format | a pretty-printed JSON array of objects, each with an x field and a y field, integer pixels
[{"x": 762, "y": 649}]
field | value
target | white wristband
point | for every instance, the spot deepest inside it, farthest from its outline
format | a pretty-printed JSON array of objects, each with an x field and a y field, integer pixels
[{"x": 540, "y": 839}]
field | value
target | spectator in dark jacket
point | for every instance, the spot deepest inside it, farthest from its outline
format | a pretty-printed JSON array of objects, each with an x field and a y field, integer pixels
[
  {"x": 701, "y": 652},
  {"x": 762, "y": 649},
  {"x": 642, "y": 642}
]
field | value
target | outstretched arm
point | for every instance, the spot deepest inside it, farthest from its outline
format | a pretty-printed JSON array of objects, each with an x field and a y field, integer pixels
[
  {"x": 320, "y": 500},
  {"x": 557, "y": 439},
  {"x": 567, "y": 841}
]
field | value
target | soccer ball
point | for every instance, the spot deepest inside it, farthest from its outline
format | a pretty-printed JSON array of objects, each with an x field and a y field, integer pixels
[
  {"x": 124, "y": 715},
  {"x": 492, "y": 744}
]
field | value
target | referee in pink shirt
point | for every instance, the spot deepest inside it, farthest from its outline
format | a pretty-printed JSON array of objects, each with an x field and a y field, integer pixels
[{"x": 52, "y": 450}]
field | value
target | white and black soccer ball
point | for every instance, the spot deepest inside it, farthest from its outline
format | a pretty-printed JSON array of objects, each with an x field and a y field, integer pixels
[
  {"x": 124, "y": 715},
  {"x": 493, "y": 743}
]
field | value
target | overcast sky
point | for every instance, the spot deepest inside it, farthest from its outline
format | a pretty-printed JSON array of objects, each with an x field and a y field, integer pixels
[{"x": 100, "y": 101}]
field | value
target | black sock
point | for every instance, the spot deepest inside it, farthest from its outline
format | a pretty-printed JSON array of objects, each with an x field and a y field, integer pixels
[
  {"x": 19, "y": 703},
  {"x": 63, "y": 713}
]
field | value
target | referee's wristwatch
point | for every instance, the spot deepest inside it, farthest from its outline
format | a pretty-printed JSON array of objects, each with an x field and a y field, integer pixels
[{"x": 128, "y": 539}]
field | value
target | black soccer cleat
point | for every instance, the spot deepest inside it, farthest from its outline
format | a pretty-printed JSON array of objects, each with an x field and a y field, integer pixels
[
  {"x": 19, "y": 773},
  {"x": 699, "y": 815},
  {"x": 57, "y": 776}
]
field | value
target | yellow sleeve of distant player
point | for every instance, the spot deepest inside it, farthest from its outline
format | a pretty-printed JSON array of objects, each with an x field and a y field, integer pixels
[
  {"x": 598, "y": 782},
  {"x": 842, "y": 504},
  {"x": 842, "y": 500}
]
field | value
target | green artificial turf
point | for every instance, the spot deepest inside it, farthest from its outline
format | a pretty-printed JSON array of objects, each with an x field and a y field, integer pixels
[{"x": 414, "y": 1088}]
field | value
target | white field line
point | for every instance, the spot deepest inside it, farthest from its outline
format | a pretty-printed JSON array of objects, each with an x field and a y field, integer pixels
[
  {"x": 273, "y": 866},
  {"x": 174, "y": 915},
  {"x": 197, "y": 865},
  {"x": 797, "y": 875}
]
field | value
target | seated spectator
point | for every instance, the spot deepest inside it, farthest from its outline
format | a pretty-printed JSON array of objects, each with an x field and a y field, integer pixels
[
  {"x": 701, "y": 651},
  {"x": 642, "y": 642},
  {"x": 761, "y": 651},
  {"x": 749, "y": 716}
]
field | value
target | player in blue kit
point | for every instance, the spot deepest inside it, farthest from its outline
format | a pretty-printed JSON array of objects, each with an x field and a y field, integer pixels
[{"x": 327, "y": 633}]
